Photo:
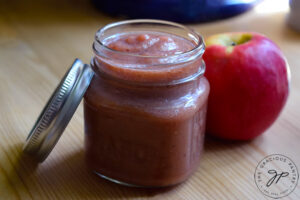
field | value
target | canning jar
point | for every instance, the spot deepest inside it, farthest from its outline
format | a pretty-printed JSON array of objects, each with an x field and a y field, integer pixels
[
  {"x": 145, "y": 109},
  {"x": 145, "y": 100}
]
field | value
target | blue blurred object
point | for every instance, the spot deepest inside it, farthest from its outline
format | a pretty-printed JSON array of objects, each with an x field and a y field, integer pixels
[
  {"x": 176, "y": 10},
  {"x": 294, "y": 15}
]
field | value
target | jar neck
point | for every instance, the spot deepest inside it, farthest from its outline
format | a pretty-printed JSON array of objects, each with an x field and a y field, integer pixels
[
  {"x": 129, "y": 89},
  {"x": 179, "y": 74}
]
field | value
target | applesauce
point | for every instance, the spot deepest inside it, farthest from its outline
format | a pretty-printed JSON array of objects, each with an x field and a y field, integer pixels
[{"x": 145, "y": 109}]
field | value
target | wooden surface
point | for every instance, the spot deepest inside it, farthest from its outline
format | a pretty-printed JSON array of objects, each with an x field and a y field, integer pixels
[{"x": 39, "y": 41}]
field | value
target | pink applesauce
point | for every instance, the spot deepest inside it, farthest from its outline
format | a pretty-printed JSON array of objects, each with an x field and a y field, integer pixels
[
  {"x": 145, "y": 109},
  {"x": 149, "y": 44}
]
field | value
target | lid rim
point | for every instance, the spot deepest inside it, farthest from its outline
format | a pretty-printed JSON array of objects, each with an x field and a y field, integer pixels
[
  {"x": 58, "y": 111},
  {"x": 42, "y": 124}
]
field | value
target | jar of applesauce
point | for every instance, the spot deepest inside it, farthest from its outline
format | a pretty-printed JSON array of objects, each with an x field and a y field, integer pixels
[{"x": 145, "y": 107}]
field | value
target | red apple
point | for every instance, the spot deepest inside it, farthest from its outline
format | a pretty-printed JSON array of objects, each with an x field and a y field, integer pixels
[{"x": 249, "y": 79}]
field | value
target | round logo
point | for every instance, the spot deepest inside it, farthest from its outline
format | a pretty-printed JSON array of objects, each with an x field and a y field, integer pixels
[{"x": 276, "y": 176}]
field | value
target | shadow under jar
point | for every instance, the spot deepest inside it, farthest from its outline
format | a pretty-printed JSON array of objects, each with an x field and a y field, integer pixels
[{"x": 145, "y": 109}]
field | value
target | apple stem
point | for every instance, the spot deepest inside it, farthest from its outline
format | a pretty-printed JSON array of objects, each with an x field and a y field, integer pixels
[{"x": 233, "y": 44}]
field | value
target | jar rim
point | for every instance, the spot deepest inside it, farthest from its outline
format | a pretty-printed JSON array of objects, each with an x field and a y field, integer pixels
[{"x": 198, "y": 48}]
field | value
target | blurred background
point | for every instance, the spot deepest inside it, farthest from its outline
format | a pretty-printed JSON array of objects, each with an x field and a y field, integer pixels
[
  {"x": 184, "y": 11},
  {"x": 227, "y": 15},
  {"x": 63, "y": 24}
]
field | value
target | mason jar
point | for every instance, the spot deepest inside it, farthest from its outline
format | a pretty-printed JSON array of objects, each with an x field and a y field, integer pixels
[
  {"x": 145, "y": 100},
  {"x": 144, "y": 113}
]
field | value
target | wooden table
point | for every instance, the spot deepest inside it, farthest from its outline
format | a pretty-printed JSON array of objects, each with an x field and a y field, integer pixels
[{"x": 38, "y": 42}]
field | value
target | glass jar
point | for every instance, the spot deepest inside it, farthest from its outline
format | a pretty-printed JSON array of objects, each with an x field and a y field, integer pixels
[{"x": 144, "y": 116}]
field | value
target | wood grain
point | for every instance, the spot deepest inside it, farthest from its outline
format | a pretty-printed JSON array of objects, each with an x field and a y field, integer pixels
[{"x": 38, "y": 42}]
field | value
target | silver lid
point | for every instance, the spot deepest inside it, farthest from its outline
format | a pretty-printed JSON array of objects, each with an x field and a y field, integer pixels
[{"x": 58, "y": 111}]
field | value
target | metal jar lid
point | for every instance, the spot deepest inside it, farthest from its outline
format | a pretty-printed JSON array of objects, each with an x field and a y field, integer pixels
[{"x": 58, "y": 111}]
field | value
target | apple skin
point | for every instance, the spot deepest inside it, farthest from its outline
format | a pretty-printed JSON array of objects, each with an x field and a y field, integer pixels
[{"x": 249, "y": 84}]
